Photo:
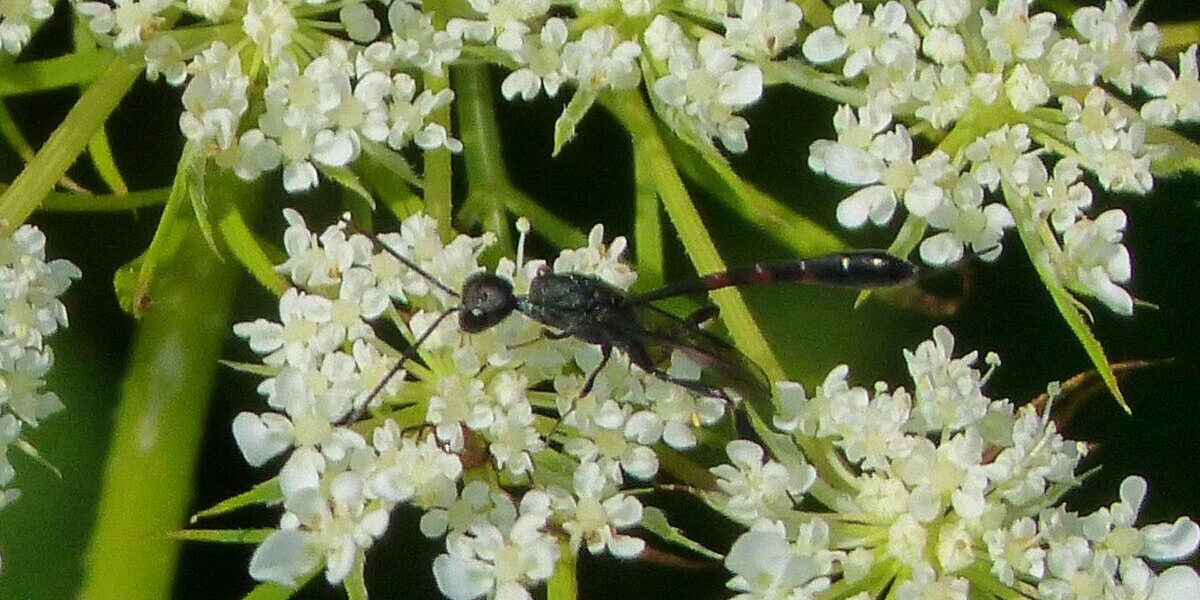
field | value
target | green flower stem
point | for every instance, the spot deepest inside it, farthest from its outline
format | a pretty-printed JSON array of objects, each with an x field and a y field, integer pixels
[
  {"x": 148, "y": 477},
  {"x": 438, "y": 190},
  {"x": 488, "y": 185},
  {"x": 710, "y": 171},
  {"x": 563, "y": 584},
  {"x": 68, "y": 202},
  {"x": 1176, "y": 37},
  {"x": 52, "y": 73},
  {"x": 807, "y": 78},
  {"x": 647, "y": 220},
  {"x": 631, "y": 111},
  {"x": 67, "y": 142}
]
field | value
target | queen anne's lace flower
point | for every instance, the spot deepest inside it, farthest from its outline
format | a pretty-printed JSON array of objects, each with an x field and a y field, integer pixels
[
  {"x": 997, "y": 118},
  {"x": 960, "y": 486},
  {"x": 476, "y": 400},
  {"x": 30, "y": 312},
  {"x": 17, "y": 19}
]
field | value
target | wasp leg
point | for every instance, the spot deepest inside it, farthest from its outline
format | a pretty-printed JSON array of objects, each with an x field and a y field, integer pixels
[
  {"x": 700, "y": 316},
  {"x": 587, "y": 387},
  {"x": 692, "y": 385},
  {"x": 591, "y": 379},
  {"x": 546, "y": 335}
]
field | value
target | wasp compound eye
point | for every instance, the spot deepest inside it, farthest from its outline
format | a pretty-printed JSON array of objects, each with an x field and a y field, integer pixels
[{"x": 486, "y": 300}]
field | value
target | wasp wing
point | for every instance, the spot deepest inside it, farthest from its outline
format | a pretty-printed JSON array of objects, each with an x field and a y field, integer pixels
[{"x": 659, "y": 333}]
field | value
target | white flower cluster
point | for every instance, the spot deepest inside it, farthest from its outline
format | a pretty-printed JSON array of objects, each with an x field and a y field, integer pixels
[
  {"x": 1005, "y": 90},
  {"x": 17, "y": 20},
  {"x": 473, "y": 404},
  {"x": 30, "y": 312},
  {"x": 948, "y": 494},
  {"x": 280, "y": 97}
]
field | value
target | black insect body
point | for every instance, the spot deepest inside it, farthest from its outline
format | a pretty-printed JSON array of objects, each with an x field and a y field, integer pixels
[{"x": 589, "y": 309}]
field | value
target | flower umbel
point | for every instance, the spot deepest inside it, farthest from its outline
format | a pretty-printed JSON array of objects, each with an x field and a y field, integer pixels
[{"x": 30, "y": 312}]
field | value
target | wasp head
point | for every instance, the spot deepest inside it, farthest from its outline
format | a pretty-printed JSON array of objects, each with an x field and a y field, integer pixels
[{"x": 486, "y": 300}]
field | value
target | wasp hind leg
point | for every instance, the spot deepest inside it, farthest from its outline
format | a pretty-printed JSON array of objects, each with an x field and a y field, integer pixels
[
  {"x": 694, "y": 386},
  {"x": 701, "y": 316}
]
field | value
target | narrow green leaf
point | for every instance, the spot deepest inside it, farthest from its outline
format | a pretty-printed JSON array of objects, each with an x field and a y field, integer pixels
[
  {"x": 192, "y": 166},
  {"x": 654, "y": 520},
  {"x": 384, "y": 157},
  {"x": 21, "y": 78},
  {"x": 223, "y": 536},
  {"x": 77, "y": 202},
  {"x": 132, "y": 282},
  {"x": 247, "y": 249},
  {"x": 553, "y": 469},
  {"x": 1066, "y": 305},
  {"x": 265, "y": 493},
  {"x": 68, "y": 140},
  {"x": 348, "y": 180},
  {"x": 251, "y": 368},
  {"x": 1064, "y": 301},
  {"x": 32, "y": 452},
  {"x": 576, "y": 109},
  {"x": 12, "y": 134},
  {"x": 105, "y": 163},
  {"x": 276, "y": 591},
  {"x": 390, "y": 177},
  {"x": 1182, "y": 155},
  {"x": 563, "y": 584},
  {"x": 356, "y": 581}
]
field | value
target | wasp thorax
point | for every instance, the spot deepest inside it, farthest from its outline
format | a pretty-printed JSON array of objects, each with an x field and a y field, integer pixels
[{"x": 486, "y": 300}]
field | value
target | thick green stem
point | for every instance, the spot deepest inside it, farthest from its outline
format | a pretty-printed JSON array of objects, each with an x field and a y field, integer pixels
[
  {"x": 148, "y": 478},
  {"x": 67, "y": 142},
  {"x": 487, "y": 181}
]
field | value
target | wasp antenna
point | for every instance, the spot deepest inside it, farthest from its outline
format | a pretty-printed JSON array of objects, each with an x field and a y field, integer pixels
[
  {"x": 403, "y": 259},
  {"x": 409, "y": 354}
]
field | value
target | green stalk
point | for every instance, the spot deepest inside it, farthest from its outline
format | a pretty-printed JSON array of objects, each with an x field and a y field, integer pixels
[
  {"x": 148, "y": 478},
  {"x": 17, "y": 79},
  {"x": 67, "y": 142},
  {"x": 438, "y": 190},
  {"x": 631, "y": 111},
  {"x": 647, "y": 221},
  {"x": 489, "y": 188},
  {"x": 488, "y": 184}
]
